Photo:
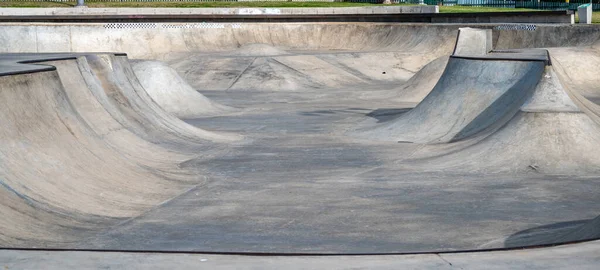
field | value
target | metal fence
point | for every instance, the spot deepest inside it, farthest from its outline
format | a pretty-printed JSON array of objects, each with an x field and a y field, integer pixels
[{"x": 531, "y": 4}]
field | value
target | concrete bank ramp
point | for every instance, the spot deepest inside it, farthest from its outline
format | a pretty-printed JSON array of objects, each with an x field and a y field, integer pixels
[
  {"x": 105, "y": 120},
  {"x": 423, "y": 81},
  {"x": 472, "y": 42},
  {"x": 58, "y": 176},
  {"x": 560, "y": 143},
  {"x": 505, "y": 112},
  {"x": 273, "y": 70},
  {"x": 173, "y": 93},
  {"x": 123, "y": 91},
  {"x": 555, "y": 131},
  {"x": 477, "y": 91},
  {"x": 577, "y": 68},
  {"x": 471, "y": 96},
  {"x": 83, "y": 148}
]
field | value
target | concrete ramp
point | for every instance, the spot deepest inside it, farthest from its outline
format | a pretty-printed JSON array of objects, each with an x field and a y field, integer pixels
[
  {"x": 471, "y": 96},
  {"x": 478, "y": 91},
  {"x": 563, "y": 143},
  {"x": 85, "y": 147},
  {"x": 577, "y": 68},
  {"x": 506, "y": 144},
  {"x": 107, "y": 122},
  {"x": 567, "y": 232},
  {"x": 124, "y": 93},
  {"x": 423, "y": 81},
  {"x": 58, "y": 176},
  {"x": 550, "y": 134},
  {"x": 550, "y": 95},
  {"x": 172, "y": 93}
]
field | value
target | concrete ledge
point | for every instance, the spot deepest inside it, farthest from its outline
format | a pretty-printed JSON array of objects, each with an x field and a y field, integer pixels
[{"x": 216, "y": 11}]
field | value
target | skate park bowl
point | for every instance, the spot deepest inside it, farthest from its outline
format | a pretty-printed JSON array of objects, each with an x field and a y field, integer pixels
[{"x": 298, "y": 138}]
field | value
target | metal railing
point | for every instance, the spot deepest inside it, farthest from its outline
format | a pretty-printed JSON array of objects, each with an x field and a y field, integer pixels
[{"x": 530, "y": 4}]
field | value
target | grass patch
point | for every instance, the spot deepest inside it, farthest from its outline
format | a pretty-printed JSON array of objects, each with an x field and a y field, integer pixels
[{"x": 35, "y": 4}]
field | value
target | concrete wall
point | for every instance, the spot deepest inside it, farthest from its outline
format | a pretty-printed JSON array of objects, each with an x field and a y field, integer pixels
[{"x": 155, "y": 40}]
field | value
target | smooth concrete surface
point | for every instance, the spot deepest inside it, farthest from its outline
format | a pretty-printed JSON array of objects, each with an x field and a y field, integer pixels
[
  {"x": 92, "y": 160},
  {"x": 492, "y": 90},
  {"x": 471, "y": 79},
  {"x": 173, "y": 93},
  {"x": 577, "y": 256},
  {"x": 216, "y": 11},
  {"x": 473, "y": 42},
  {"x": 161, "y": 40}
]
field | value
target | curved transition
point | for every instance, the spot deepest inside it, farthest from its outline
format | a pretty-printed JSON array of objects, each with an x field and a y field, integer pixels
[
  {"x": 80, "y": 128},
  {"x": 172, "y": 93},
  {"x": 501, "y": 150}
]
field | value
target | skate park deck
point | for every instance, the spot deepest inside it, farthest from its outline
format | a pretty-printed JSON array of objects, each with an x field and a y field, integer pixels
[{"x": 295, "y": 155}]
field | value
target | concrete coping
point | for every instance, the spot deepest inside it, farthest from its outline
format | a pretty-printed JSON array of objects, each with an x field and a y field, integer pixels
[
  {"x": 24, "y": 63},
  {"x": 512, "y": 55}
]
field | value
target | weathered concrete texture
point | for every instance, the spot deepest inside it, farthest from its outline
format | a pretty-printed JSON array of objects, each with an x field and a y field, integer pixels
[
  {"x": 421, "y": 83},
  {"x": 467, "y": 98},
  {"x": 71, "y": 195},
  {"x": 550, "y": 95},
  {"x": 473, "y": 42},
  {"x": 90, "y": 160},
  {"x": 299, "y": 71},
  {"x": 117, "y": 78},
  {"x": 172, "y": 93},
  {"x": 159, "y": 40},
  {"x": 471, "y": 96},
  {"x": 579, "y": 77},
  {"x": 511, "y": 148},
  {"x": 569, "y": 145},
  {"x": 216, "y": 11},
  {"x": 580, "y": 256},
  {"x": 78, "y": 114}
]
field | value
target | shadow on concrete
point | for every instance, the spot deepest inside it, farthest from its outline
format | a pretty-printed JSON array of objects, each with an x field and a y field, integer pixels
[
  {"x": 387, "y": 114},
  {"x": 556, "y": 233}
]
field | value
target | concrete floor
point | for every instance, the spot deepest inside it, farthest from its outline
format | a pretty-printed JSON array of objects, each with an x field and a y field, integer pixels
[
  {"x": 282, "y": 164},
  {"x": 302, "y": 186}
]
